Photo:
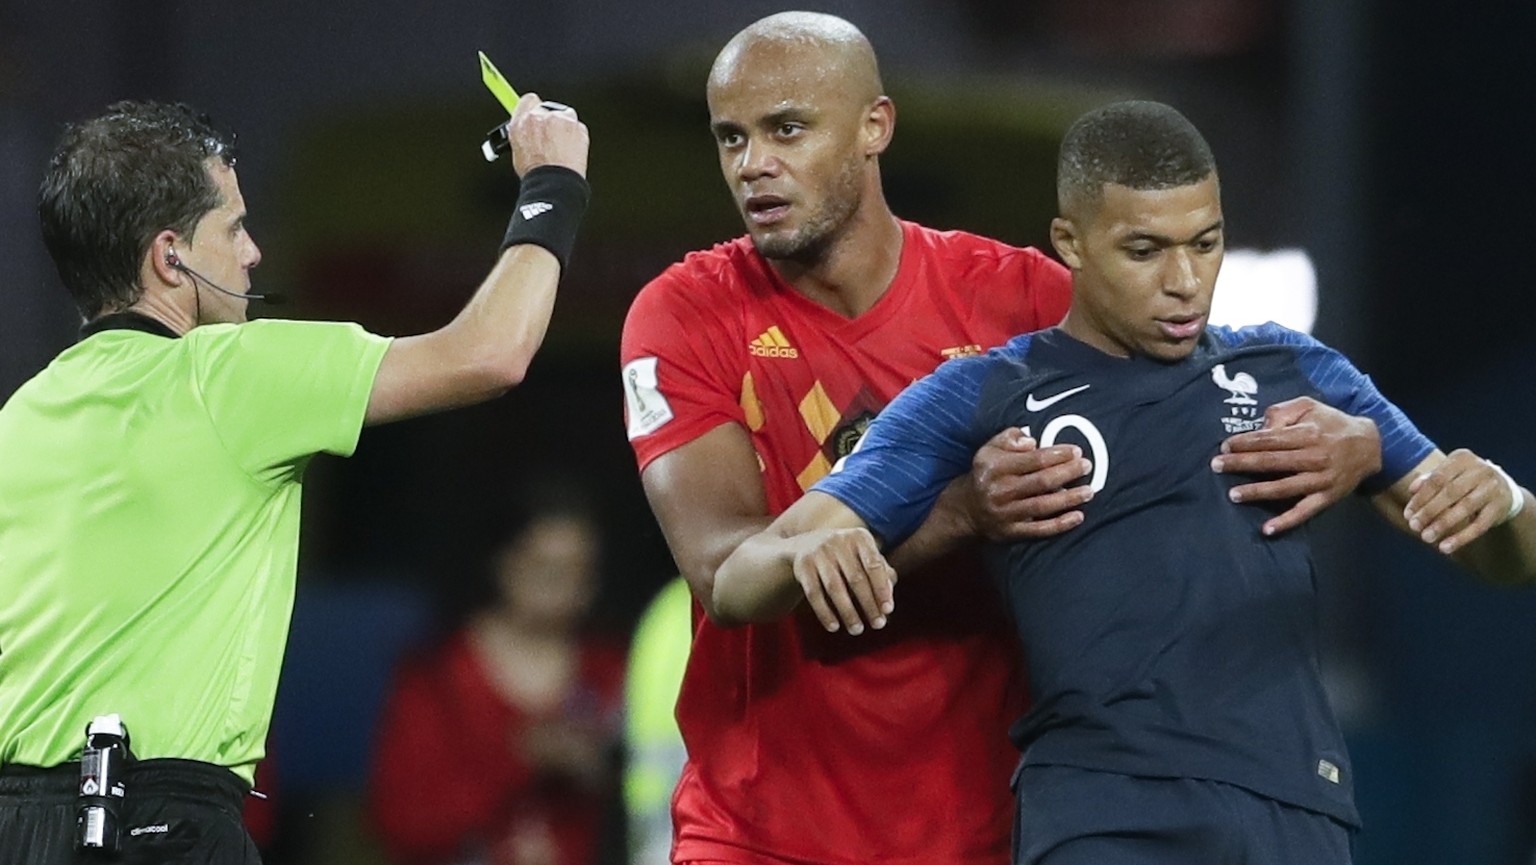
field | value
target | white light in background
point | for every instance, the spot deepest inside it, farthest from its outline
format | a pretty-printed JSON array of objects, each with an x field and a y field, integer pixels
[{"x": 1255, "y": 287}]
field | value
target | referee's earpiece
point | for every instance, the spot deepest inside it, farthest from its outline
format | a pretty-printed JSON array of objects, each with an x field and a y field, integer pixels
[{"x": 174, "y": 261}]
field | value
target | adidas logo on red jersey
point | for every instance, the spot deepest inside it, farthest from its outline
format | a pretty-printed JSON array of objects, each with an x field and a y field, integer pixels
[{"x": 771, "y": 343}]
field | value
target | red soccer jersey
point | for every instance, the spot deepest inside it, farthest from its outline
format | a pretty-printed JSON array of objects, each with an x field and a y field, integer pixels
[{"x": 804, "y": 746}]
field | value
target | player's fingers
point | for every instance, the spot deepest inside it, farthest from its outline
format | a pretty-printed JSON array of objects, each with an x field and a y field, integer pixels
[
  {"x": 1472, "y": 498},
  {"x": 882, "y": 582},
  {"x": 1426, "y": 488},
  {"x": 1016, "y": 487},
  {"x": 1289, "y": 412},
  {"x": 856, "y": 579},
  {"x": 1485, "y": 519},
  {"x": 809, "y": 578},
  {"x": 996, "y": 465},
  {"x": 1272, "y": 461},
  {"x": 1279, "y": 489},
  {"x": 1441, "y": 489},
  {"x": 1046, "y": 528},
  {"x": 1012, "y": 439},
  {"x": 1283, "y": 438},
  {"x": 1309, "y": 507},
  {"x": 1044, "y": 506},
  {"x": 833, "y": 572}
]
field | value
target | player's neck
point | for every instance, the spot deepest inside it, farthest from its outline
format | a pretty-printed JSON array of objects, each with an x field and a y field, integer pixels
[{"x": 857, "y": 267}]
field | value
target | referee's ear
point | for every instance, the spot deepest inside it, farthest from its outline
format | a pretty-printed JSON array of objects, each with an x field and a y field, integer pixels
[{"x": 161, "y": 261}]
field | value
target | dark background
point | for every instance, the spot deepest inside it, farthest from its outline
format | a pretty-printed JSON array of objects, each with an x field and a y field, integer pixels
[{"x": 1391, "y": 140}]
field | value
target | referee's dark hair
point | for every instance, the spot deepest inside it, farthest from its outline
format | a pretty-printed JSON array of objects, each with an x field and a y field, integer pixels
[
  {"x": 116, "y": 181},
  {"x": 1136, "y": 144}
]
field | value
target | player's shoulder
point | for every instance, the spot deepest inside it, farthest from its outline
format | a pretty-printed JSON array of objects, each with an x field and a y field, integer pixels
[
  {"x": 704, "y": 286},
  {"x": 1011, "y": 359},
  {"x": 727, "y": 269},
  {"x": 964, "y": 248},
  {"x": 702, "y": 297},
  {"x": 1018, "y": 288},
  {"x": 1259, "y": 335}
]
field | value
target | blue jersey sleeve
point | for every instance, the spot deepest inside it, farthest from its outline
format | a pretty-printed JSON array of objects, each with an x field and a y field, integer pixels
[
  {"x": 1346, "y": 388},
  {"x": 923, "y": 440}
]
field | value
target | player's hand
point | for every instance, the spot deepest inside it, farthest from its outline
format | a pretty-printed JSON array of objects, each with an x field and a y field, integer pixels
[
  {"x": 541, "y": 135},
  {"x": 846, "y": 580},
  {"x": 1019, "y": 489},
  {"x": 1456, "y": 503},
  {"x": 1315, "y": 453}
]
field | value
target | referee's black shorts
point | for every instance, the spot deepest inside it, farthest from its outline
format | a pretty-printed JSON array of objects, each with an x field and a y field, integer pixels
[{"x": 176, "y": 812}]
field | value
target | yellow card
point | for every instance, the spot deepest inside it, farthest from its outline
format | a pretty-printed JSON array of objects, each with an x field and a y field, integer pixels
[{"x": 497, "y": 84}]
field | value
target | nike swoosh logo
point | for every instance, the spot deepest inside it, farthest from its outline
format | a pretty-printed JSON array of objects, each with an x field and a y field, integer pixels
[{"x": 1032, "y": 404}]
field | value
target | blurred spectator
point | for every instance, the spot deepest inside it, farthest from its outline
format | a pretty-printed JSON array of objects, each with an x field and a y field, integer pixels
[
  {"x": 653, "y": 744},
  {"x": 496, "y": 747}
]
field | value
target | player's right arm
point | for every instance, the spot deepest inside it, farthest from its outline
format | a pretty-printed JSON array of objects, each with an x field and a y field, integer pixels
[
  {"x": 1016, "y": 490},
  {"x": 682, "y": 376},
  {"x": 818, "y": 549},
  {"x": 485, "y": 350},
  {"x": 828, "y": 544},
  {"x": 708, "y": 497}
]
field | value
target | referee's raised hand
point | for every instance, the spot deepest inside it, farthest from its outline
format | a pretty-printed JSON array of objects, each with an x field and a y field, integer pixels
[{"x": 546, "y": 133}]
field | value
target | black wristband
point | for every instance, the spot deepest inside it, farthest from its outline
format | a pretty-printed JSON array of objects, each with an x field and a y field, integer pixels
[{"x": 548, "y": 212}]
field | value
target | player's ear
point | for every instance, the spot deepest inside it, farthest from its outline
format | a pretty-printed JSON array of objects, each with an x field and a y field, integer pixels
[
  {"x": 1067, "y": 240},
  {"x": 879, "y": 126}
]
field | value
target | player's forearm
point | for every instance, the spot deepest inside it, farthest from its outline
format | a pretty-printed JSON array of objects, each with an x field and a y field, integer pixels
[
  {"x": 756, "y": 583},
  {"x": 947, "y": 528}
]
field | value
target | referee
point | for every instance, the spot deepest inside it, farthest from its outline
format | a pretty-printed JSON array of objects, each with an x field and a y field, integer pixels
[{"x": 151, "y": 475}]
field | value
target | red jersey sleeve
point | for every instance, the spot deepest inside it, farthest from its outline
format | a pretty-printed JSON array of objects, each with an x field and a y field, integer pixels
[{"x": 682, "y": 363}]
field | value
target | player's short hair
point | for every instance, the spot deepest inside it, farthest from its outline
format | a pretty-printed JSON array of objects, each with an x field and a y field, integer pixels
[
  {"x": 117, "y": 180},
  {"x": 1136, "y": 144}
]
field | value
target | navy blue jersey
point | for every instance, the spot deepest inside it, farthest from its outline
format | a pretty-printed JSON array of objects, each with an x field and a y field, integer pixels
[{"x": 1165, "y": 636}]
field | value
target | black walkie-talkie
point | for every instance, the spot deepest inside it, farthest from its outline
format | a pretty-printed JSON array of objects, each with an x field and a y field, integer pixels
[{"x": 102, "y": 766}]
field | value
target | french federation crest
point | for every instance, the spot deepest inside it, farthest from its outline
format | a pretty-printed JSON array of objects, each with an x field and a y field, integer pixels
[{"x": 1242, "y": 407}]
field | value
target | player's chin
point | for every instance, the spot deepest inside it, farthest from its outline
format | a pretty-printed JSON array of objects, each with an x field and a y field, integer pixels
[
  {"x": 1171, "y": 350},
  {"x": 776, "y": 244}
]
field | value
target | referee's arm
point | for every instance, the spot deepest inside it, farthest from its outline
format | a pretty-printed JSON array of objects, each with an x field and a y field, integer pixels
[{"x": 487, "y": 347}]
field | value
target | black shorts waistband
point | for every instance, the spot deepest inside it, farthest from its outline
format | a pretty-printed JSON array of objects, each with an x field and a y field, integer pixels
[{"x": 153, "y": 777}]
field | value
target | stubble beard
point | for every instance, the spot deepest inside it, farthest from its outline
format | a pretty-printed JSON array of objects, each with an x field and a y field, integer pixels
[{"x": 810, "y": 244}]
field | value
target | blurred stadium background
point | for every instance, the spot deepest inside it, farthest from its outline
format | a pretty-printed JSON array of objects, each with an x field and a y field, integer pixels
[{"x": 1382, "y": 138}]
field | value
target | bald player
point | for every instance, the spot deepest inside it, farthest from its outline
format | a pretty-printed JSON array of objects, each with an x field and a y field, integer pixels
[{"x": 749, "y": 370}]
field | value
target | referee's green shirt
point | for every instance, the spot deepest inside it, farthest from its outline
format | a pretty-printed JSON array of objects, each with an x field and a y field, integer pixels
[{"x": 149, "y": 526}]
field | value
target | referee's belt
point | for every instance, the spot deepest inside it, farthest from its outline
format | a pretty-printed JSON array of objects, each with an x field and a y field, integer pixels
[{"x": 155, "y": 777}]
